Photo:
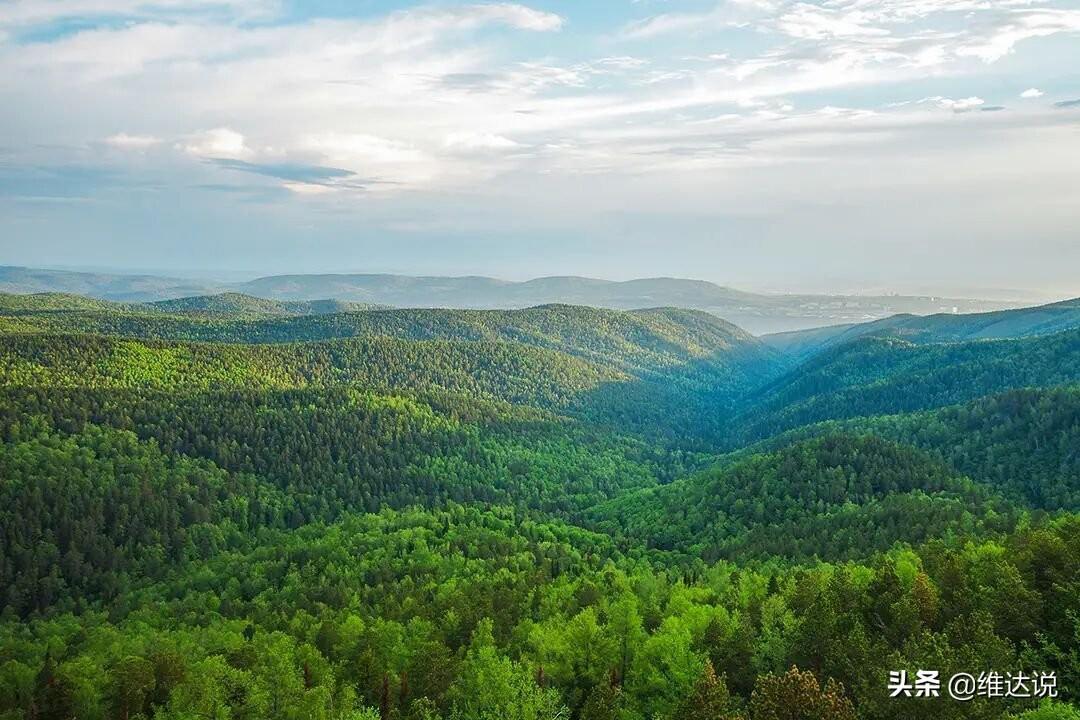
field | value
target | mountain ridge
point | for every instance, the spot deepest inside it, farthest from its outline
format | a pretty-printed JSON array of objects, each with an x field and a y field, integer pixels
[
  {"x": 940, "y": 327},
  {"x": 759, "y": 313}
]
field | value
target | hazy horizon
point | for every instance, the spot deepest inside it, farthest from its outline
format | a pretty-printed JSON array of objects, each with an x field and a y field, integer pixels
[{"x": 228, "y": 276}]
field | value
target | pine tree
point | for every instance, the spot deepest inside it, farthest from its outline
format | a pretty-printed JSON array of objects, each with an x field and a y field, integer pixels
[
  {"x": 797, "y": 695},
  {"x": 52, "y": 695},
  {"x": 710, "y": 699},
  {"x": 604, "y": 702}
]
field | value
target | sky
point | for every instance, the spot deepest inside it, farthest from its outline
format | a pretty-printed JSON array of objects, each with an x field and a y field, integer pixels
[{"x": 832, "y": 145}]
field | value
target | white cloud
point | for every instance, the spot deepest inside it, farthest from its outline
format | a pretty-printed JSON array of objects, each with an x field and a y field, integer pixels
[
  {"x": 727, "y": 14},
  {"x": 479, "y": 141},
  {"x": 384, "y": 159},
  {"x": 660, "y": 25},
  {"x": 362, "y": 147},
  {"x": 218, "y": 143},
  {"x": 124, "y": 141},
  {"x": 473, "y": 106},
  {"x": 519, "y": 16},
  {"x": 961, "y": 105},
  {"x": 1010, "y": 29},
  {"x": 1031, "y": 93},
  {"x": 302, "y": 188},
  {"x": 813, "y": 22},
  {"x": 622, "y": 62},
  {"x": 418, "y": 99}
]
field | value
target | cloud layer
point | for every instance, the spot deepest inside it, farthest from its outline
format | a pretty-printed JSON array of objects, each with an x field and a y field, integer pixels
[{"x": 467, "y": 114}]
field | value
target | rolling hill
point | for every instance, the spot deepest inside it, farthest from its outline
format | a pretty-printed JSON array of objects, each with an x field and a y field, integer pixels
[
  {"x": 1003, "y": 324},
  {"x": 1025, "y": 444},
  {"x": 105, "y": 286},
  {"x": 874, "y": 375},
  {"x": 232, "y": 303},
  {"x": 233, "y": 506},
  {"x": 693, "y": 355},
  {"x": 836, "y": 497},
  {"x": 758, "y": 313}
]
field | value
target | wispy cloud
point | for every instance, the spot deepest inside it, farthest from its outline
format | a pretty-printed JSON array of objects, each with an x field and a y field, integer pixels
[
  {"x": 125, "y": 141},
  {"x": 961, "y": 105},
  {"x": 479, "y": 141},
  {"x": 727, "y": 14},
  {"x": 38, "y": 12},
  {"x": 492, "y": 109}
]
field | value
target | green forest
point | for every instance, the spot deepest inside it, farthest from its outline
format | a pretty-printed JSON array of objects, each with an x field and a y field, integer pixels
[{"x": 226, "y": 508}]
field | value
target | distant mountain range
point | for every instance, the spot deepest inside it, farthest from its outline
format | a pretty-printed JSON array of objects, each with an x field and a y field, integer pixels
[
  {"x": 1003, "y": 324},
  {"x": 757, "y": 313}
]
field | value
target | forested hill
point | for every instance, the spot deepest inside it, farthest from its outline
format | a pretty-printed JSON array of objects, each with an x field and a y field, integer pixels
[
  {"x": 485, "y": 370},
  {"x": 14, "y": 305},
  {"x": 235, "y": 305},
  {"x": 643, "y": 338},
  {"x": 1002, "y": 324},
  {"x": 835, "y": 497},
  {"x": 663, "y": 371},
  {"x": 1025, "y": 444},
  {"x": 238, "y": 303},
  {"x": 885, "y": 375},
  {"x": 236, "y": 509}
]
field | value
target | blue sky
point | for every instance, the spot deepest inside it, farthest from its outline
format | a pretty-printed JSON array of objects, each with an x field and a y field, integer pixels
[{"x": 854, "y": 145}]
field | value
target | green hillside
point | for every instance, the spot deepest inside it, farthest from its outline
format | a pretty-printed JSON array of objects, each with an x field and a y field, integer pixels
[
  {"x": 458, "y": 609},
  {"x": 883, "y": 375},
  {"x": 836, "y": 497},
  {"x": 1023, "y": 443},
  {"x": 998, "y": 325},
  {"x": 225, "y": 507},
  {"x": 525, "y": 375},
  {"x": 644, "y": 339},
  {"x": 57, "y": 302},
  {"x": 240, "y": 304},
  {"x": 661, "y": 372},
  {"x": 233, "y": 306},
  {"x": 104, "y": 286}
]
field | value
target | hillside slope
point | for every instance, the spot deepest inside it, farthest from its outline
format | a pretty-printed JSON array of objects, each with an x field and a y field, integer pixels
[
  {"x": 217, "y": 511},
  {"x": 515, "y": 374},
  {"x": 999, "y": 325},
  {"x": 644, "y": 338},
  {"x": 239, "y": 304},
  {"x": 885, "y": 375},
  {"x": 665, "y": 371},
  {"x": 837, "y": 497},
  {"x": 1023, "y": 443}
]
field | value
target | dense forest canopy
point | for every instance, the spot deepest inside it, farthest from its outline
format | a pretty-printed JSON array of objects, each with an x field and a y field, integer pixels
[{"x": 226, "y": 507}]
